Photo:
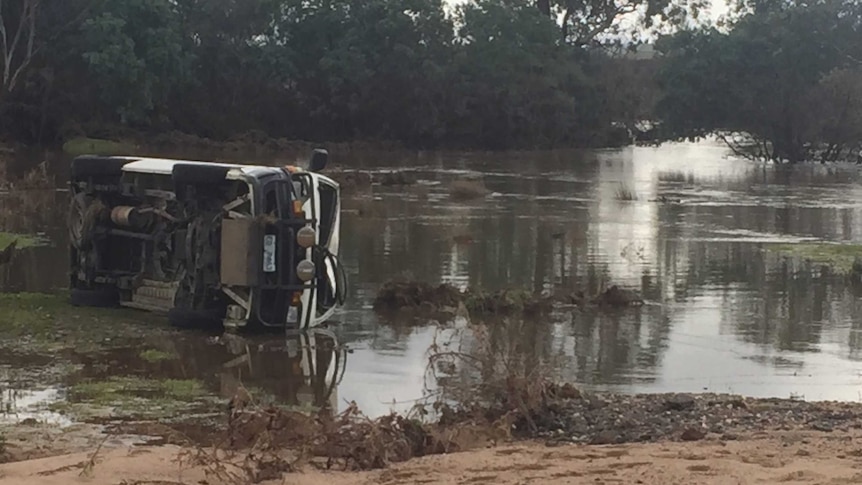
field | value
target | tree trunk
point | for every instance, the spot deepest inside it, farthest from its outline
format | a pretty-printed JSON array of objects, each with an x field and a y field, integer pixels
[{"x": 544, "y": 7}]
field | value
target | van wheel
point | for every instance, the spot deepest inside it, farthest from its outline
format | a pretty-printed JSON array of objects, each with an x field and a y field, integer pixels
[
  {"x": 197, "y": 319},
  {"x": 90, "y": 166},
  {"x": 84, "y": 212},
  {"x": 101, "y": 298}
]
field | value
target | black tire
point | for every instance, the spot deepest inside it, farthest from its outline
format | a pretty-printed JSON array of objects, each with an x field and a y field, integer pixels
[
  {"x": 187, "y": 174},
  {"x": 101, "y": 298},
  {"x": 194, "y": 319},
  {"x": 84, "y": 212},
  {"x": 102, "y": 167}
]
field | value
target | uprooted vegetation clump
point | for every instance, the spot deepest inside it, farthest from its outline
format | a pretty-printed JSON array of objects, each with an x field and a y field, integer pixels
[{"x": 420, "y": 296}]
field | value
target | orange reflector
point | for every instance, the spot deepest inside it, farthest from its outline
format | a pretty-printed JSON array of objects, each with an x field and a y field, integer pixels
[
  {"x": 297, "y": 299},
  {"x": 297, "y": 207}
]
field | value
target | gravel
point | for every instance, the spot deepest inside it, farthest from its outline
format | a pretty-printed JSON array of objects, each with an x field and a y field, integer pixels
[{"x": 621, "y": 418}]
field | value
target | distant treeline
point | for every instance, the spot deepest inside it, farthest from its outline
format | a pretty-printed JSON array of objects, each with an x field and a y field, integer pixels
[
  {"x": 490, "y": 74},
  {"x": 781, "y": 82}
]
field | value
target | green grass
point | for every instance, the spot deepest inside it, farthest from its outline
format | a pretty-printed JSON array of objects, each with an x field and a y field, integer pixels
[
  {"x": 96, "y": 146},
  {"x": 28, "y": 313},
  {"x": 839, "y": 257},
  {"x": 133, "y": 396},
  {"x": 24, "y": 240},
  {"x": 47, "y": 323},
  {"x": 121, "y": 388},
  {"x": 154, "y": 355}
]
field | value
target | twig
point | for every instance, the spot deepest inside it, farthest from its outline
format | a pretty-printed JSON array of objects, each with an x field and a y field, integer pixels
[{"x": 91, "y": 462}]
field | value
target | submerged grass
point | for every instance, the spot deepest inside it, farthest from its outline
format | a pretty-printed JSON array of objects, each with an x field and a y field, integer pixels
[
  {"x": 47, "y": 323},
  {"x": 30, "y": 314},
  {"x": 24, "y": 240},
  {"x": 119, "y": 388},
  {"x": 839, "y": 257},
  {"x": 133, "y": 396},
  {"x": 154, "y": 355}
]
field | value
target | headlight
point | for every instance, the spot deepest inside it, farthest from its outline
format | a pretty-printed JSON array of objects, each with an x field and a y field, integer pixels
[
  {"x": 305, "y": 237},
  {"x": 305, "y": 270}
]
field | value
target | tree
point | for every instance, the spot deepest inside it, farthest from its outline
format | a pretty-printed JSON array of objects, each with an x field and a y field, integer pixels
[
  {"x": 515, "y": 85},
  {"x": 598, "y": 22},
  {"x": 135, "y": 53},
  {"x": 755, "y": 79},
  {"x": 835, "y": 114}
]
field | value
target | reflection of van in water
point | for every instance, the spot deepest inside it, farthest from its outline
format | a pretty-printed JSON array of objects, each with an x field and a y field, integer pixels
[
  {"x": 208, "y": 243},
  {"x": 304, "y": 369}
]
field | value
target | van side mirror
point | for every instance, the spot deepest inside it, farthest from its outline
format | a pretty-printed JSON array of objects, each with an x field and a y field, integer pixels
[{"x": 319, "y": 159}]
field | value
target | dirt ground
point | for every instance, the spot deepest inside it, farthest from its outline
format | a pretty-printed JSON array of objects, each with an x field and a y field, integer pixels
[{"x": 784, "y": 457}]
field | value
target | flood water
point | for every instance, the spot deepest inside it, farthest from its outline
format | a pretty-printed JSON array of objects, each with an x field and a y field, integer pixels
[{"x": 723, "y": 314}]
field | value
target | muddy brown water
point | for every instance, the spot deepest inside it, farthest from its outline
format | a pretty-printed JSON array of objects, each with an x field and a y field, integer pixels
[{"x": 722, "y": 314}]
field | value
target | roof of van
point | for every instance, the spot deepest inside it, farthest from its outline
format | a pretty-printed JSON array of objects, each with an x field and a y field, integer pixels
[{"x": 165, "y": 165}]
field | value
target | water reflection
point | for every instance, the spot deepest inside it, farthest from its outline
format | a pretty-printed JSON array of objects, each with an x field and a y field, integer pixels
[{"x": 724, "y": 313}]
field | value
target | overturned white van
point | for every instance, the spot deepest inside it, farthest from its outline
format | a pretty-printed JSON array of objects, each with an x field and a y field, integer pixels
[{"x": 207, "y": 243}]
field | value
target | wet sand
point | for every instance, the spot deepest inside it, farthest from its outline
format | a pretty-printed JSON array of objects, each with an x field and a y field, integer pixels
[{"x": 788, "y": 457}]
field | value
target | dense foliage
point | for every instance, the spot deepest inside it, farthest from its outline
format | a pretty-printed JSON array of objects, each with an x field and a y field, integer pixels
[
  {"x": 781, "y": 80},
  {"x": 783, "y": 83},
  {"x": 490, "y": 74}
]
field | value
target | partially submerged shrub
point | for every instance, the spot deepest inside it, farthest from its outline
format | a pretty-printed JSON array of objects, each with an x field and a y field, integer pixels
[
  {"x": 396, "y": 177},
  {"x": 399, "y": 295},
  {"x": 351, "y": 181},
  {"x": 618, "y": 297},
  {"x": 423, "y": 297},
  {"x": 626, "y": 194},
  {"x": 506, "y": 302},
  {"x": 429, "y": 298},
  {"x": 467, "y": 189}
]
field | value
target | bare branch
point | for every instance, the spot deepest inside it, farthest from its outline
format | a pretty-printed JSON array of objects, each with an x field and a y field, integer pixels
[
  {"x": 28, "y": 55},
  {"x": 3, "y": 41}
]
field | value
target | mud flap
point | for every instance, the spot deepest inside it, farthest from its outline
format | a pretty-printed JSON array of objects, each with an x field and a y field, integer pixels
[{"x": 102, "y": 298}]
